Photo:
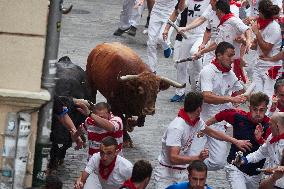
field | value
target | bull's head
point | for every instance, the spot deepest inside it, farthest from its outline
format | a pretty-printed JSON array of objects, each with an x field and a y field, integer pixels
[{"x": 142, "y": 91}]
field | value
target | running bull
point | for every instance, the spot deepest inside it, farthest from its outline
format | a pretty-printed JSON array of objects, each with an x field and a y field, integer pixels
[{"x": 127, "y": 83}]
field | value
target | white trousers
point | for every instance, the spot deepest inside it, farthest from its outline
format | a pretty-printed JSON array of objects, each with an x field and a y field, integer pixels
[
  {"x": 263, "y": 82},
  {"x": 155, "y": 30},
  {"x": 177, "y": 56},
  {"x": 239, "y": 180},
  {"x": 217, "y": 149},
  {"x": 130, "y": 16},
  {"x": 93, "y": 182},
  {"x": 189, "y": 69},
  {"x": 163, "y": 176},
  {"x": 251, "y": 60}
]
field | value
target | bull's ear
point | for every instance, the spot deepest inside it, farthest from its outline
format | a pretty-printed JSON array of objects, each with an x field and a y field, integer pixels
[
  {"x": 140, "y": 90},
  {"x": 164, "y": 85}
]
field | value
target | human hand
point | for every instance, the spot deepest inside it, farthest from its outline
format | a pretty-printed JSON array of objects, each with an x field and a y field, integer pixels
[
  {"x": 258, "y": 132},
  {"x": 239, "y": 99},
  {"x": 243, "y": 145},
  {"x": 203, "y": 154},
  {"x": 201, "y": 47},
  {"x": 254, "y": 27},
  {"x": 197, "y": 55},
  {"x": 278, "y": 172},
  {"x": 83, "y": 108},
  {"x": 138, "y": 3},
  {"x": 238, "y": 159},
  {"x": 78, "y": 185}
]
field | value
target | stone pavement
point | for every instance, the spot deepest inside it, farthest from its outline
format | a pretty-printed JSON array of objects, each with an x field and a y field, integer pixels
[{"x": 92, "y": 22}]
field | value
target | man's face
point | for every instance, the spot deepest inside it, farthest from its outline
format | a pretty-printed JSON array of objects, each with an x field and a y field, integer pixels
[
  {"x": 213, "y": 3},
  {"x": 103, "y": 113},
  {"x": 280, "y": 94},
  {"x": 226, "y": 59},
  {"x": 258, "y": 112},
  {"x": 108, "y": 154},
  {"x": 197, "y": 179}
]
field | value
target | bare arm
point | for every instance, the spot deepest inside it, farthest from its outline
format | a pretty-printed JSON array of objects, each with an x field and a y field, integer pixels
[
  {"x": 279, "y": 56},
  {"x": 177, "y": 159},
  {"x": 269, "y": 182},
  {"x": 211, "y": 121},
  {"x": 68, "y": 123},
  {"x": 79, "y": 184},
  {"x": 264, "y": 46},
  {"x": 100, "y": 122},
  {"x": 195, "y": 23},
  {"x": 212, "y": 98},
  {"x": 241, "y": 144}
]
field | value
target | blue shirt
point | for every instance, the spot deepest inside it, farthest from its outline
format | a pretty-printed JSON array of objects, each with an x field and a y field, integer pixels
[{"x": 182, "y": 185}]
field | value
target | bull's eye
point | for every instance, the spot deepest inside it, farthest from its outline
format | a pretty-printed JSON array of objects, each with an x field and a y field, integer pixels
[{"x": 140, "y": 90}]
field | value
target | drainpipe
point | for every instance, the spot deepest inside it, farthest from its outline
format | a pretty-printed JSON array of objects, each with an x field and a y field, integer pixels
[{"x": 47, "y": 82}]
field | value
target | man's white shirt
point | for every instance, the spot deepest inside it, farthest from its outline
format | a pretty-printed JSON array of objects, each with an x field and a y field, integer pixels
[
  {"x": 179, "y": 134},
  {"x": 222, "y": 84},
  {"x": 195, "y": 10},
  {"x": 121, "y": 172},
  {"x": 273, "y": 153},
  {"x": 229, "y": 31},
  {"x": 271, "y": 34}
]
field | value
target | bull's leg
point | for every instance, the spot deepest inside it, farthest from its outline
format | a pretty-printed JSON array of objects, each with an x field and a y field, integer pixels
[
  {"x": 127, "y": 142},
  {"x": 141, "y": 121}
]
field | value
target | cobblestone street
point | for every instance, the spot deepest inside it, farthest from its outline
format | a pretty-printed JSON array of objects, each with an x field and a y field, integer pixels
[{"x": 90, "y": 23}]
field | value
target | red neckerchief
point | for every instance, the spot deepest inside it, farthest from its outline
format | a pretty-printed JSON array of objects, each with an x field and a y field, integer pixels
[
  {"x": 280, "y": 108},
  {"x": 186, "y": 118},
  {"x": 105, "y": 171},
  {"x": 233, "y": 2},
  {"x": 276, "y": 138},
  {"x": 262, "y": 22},
  {"x": 219, "y": 66},
  {"x": 238, "y": 70},
  {"x": 225, "y": 18},
  {"x": 129, "y": 184},
  {"x": 273, "y": 71}
]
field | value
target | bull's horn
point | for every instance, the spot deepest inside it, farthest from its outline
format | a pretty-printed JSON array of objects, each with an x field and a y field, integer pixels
[
  {"x": 172, "y": 82},
  {"x": 66, "y": 10},
  {"x": 128, "y": 77}
]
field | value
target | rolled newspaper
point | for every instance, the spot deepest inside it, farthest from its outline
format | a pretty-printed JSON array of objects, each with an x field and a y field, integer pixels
[
  {"x": 183, "y": 60},
  {"x": 266, "y": 171},
  {"x": 177, "y": 28},
  {"x": 249, "y": 89}
]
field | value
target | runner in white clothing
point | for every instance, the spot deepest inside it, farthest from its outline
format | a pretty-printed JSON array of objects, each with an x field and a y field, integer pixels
[
  {"x": 159, "y": 16},
  {"x": 177, "y": 139},
  {"x": 230, "y": 29},
  {"x": 268, "y": 41},
  {"x": 273, "y": 148},
  {"x": 129, "y": 17},
  {"x": 112, "y": 169},
  {"x": 220, "y": 88},
  {"x": 211, "y": 31}
]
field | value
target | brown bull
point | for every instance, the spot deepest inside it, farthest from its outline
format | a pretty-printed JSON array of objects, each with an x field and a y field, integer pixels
[{"x": 127, "y": 83}]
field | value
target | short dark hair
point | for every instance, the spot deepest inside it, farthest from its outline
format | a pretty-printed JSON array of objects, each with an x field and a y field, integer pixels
[
  {"x": 222, "y": 47},
  {"x": 197, "y": 165},
  {"x": 223, "y": 6},
  {"x": 279, "y": 82},
  {"x": 257, "y": 98},
  {"x": 141, "y": 170},
  {"x": 192, "y": 101},
  {"x": 109, "y": 141},
  {"x": 53, "y": 182},
  {"x": 267, "y": 9},
  {"x": 102, "y": 105}
]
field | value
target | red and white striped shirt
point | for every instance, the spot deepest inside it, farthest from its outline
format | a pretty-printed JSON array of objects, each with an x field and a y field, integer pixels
[{"x": 96, "y": 134}]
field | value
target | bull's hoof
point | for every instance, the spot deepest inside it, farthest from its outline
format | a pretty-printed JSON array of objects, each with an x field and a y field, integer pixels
[
  {"x": 130, "y": 129},
  {"x": 128, "y": 144}
]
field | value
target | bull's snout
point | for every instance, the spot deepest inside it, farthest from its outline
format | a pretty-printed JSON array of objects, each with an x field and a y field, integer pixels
[{"x": 148, "y": 111}]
